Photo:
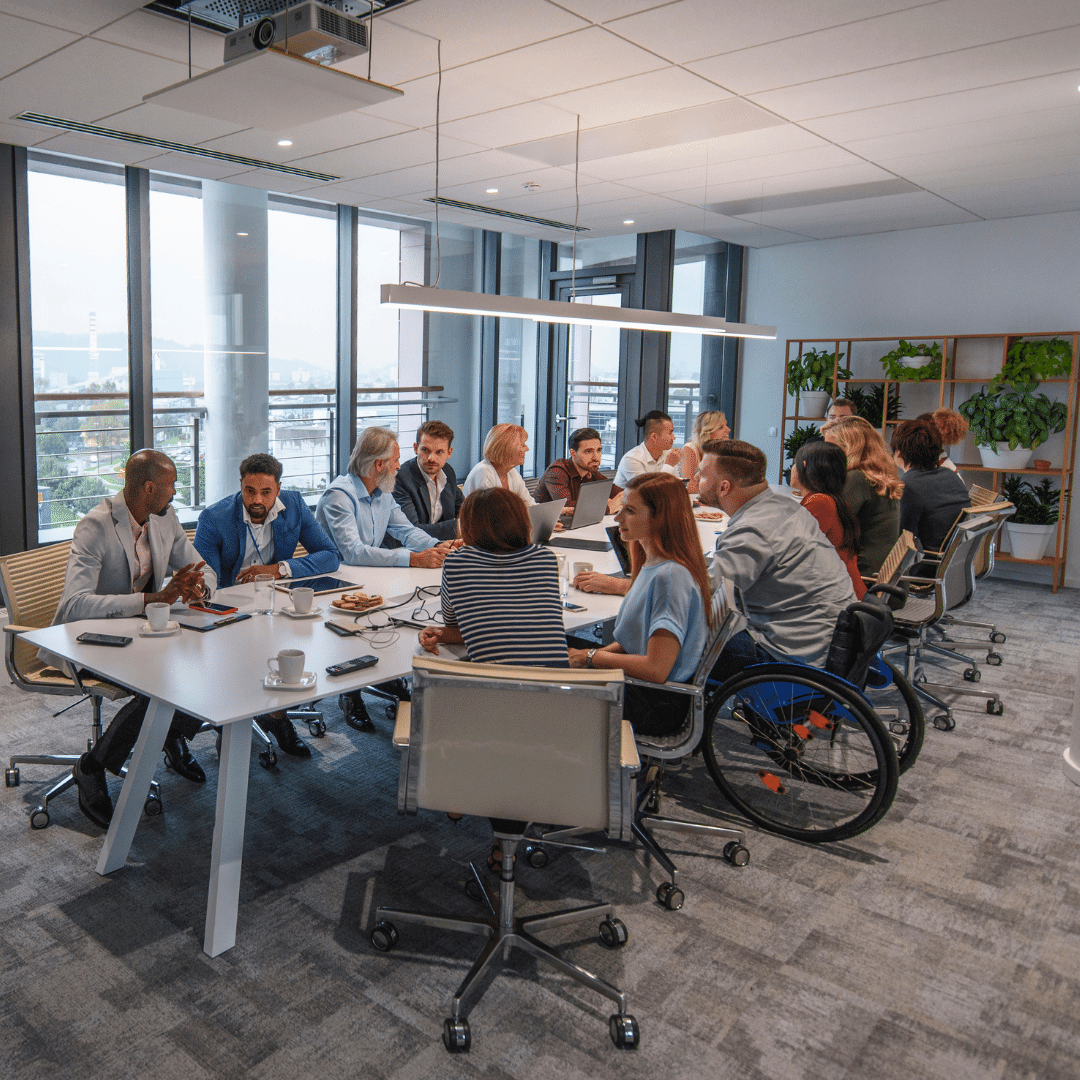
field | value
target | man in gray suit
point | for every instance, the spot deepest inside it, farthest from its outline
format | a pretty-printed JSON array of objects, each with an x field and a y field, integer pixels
[{"x": 121, "y": 553}]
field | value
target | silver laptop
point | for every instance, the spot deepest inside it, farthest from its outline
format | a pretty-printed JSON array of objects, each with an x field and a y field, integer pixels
[
  {"x": 543, "y": 517},
  {"x": 591, "y": 505}
]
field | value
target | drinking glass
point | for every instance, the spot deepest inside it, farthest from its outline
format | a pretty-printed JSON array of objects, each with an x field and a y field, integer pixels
[
  {"x": 264, "y": 594},
  {"x": 564, "y": 581}
]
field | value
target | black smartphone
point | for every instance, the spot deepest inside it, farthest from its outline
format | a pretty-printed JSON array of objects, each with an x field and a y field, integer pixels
[
  {"x": 352, "y": 665},
  {"x": 341, "y": 631},
  {"x": 117, "y": 641},
  {"x": 574, "y": 607},
  {"x": 211, "y": 609}
]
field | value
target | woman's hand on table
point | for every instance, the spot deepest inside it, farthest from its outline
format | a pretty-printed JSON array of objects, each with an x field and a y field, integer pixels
[
  {"x": 591, "y": 582},
  {"x": 577, "y": 657},
  {"x": 429, "y": 639}
]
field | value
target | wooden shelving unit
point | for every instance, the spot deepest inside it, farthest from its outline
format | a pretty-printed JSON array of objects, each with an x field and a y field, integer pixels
[{"x": 960, "y": 354}]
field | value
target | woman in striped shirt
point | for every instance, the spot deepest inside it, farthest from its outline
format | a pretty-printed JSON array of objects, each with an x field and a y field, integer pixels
[{"x": 500, "y": 593}]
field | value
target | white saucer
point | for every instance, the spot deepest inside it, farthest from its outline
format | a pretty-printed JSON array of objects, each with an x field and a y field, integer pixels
[
  {"x": 273, "y": 682},
  {"x": 297, "y": 615},
  {"x": 170, "y": 629}
]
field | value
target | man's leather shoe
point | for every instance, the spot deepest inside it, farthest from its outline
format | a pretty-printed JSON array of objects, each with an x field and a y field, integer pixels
[
  {"x": 94, "y": 799},
  {"x": 355, "y": 711},
  {"x": 180, "y": 759},
  {"x": 282, "y": 729}
]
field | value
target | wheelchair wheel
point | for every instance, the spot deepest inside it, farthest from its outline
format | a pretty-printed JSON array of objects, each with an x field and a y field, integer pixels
[
  {"x": 897, "y": 707},
  {"x": 800, "y": 753}
]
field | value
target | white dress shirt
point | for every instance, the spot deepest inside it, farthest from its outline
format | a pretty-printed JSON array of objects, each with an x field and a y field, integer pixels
[
  {"x": 260, "y": 541},
  {"x": 638, "y": 460},
  {"x": 435, "y": 488}
]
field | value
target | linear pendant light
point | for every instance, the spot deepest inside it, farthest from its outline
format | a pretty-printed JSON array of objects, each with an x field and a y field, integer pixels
[{"x": 426, "y": 298}]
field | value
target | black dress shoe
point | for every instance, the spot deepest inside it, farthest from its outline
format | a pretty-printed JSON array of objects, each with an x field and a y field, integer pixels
[
  {"x": 180, "y": 759},
  {"x": 94, "y": 799},
  {"x": 355, "y": 711},
  {"x": 282, "y": 729}
]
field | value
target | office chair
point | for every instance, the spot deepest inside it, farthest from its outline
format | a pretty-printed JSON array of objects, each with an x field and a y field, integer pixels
[
  {"x": 516, "y": 744},
  {"x": 32, "y": 583},
  {"x": 953, "y": 584}
]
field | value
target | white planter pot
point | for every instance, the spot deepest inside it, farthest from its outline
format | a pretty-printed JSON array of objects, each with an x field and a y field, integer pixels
[
  {"x": 812, "y": 404},
  {"x": 1029, "y": 541},
  {"x": 1005, "y": 459},
  {"x": 915, "y": 361}
]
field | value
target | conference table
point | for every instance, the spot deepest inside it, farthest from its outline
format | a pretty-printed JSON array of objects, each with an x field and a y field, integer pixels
[{"x": 218, "y": 676}]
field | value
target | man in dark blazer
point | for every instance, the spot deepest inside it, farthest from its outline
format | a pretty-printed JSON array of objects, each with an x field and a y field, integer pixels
[
  {"x": 428, "y": 481},
  {"x": 255, "y": 532}
]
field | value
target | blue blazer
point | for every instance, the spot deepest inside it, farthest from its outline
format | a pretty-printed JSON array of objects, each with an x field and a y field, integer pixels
[
  {"x": 221, "y": 538},
  {"x": 411, "y": 492}
]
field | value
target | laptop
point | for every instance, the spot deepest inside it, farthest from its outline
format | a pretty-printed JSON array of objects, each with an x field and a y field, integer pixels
[
  {"x": 622, "y": 552},
  {"x": 543, "y": 517},
  {"x": 591, "y": 505}
]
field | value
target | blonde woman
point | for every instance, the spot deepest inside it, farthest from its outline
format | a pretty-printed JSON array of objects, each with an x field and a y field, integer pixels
[
  {"x": 504, "y": 453},
  {"x": 873, "y": 488},
  {"x": 707, "y": 425}
]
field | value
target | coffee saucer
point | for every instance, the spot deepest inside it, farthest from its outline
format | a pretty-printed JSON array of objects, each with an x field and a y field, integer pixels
[
  {"x": 275, "y": 682},
  {"x": 170, "y": 629},
  {"x": 294, "y": 614}
]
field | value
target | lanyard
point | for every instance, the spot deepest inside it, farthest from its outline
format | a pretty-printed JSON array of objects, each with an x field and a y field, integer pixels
[{"x": 258, "y": 550}]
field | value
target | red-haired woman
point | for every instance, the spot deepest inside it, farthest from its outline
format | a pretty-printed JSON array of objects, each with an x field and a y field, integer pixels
[{"x": 663, "y": 623}]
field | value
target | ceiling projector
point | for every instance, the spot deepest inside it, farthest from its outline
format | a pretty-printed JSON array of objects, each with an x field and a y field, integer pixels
[{"x": 313, "y": 30}]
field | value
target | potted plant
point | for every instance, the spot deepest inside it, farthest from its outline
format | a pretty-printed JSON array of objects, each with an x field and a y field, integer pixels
[
  {"x": 1029, "y": 362},
  {"x": 1034, "y": 524},
  {"x": 799, "y": 437},
  {"x": 913, "y": 363},
  {"x": 810, "y": 378},
  {"x": 1009, "y": 427},
  {"x": 869, "y": 402}
]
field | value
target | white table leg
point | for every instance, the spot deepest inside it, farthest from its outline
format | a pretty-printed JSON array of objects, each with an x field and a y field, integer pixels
[
  {"x": 141, "y": 769},
  {"x": 224, "y": 899}
]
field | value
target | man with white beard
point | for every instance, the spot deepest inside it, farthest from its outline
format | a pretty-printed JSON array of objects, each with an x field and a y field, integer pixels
[{"x": 357, "y": 510}]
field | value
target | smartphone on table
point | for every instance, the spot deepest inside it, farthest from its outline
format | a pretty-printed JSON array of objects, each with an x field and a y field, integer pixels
[
  {"x": 212, "y": 609},
  {"x": 117, "y": 641}
]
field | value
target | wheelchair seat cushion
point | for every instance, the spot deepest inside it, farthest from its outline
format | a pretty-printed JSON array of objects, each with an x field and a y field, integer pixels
[{"x": 654, "y": 712}]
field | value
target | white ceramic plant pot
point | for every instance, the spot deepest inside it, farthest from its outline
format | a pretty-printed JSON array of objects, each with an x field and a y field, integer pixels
[
  {"x": 812, "y": 404},
  {"x": 1005, "y": 459},
  {"x": 1029, "y": 541},
  {"x": 916, "y": 361}
]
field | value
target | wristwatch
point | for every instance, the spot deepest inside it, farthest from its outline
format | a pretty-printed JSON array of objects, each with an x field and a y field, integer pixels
[
  {"x": 588, "y": 657},
  {"x": 283, "y": 570}
]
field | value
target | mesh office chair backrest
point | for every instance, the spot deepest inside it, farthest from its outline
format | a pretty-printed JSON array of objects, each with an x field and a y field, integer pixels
[{"x": 33, "y": 582}]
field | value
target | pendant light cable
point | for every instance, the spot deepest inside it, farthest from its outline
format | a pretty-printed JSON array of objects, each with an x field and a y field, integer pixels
[
  {"x": 438, "y": 236},
  {"x": 577, "y": 210}
]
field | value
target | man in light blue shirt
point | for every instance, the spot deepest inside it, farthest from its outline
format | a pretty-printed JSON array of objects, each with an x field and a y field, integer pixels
[{"x": 358, "y": 509}]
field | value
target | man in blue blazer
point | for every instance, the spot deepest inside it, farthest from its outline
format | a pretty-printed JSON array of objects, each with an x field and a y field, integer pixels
[
  {"x": 255, "y": 532},
  {"x": 428, "y": 482}
]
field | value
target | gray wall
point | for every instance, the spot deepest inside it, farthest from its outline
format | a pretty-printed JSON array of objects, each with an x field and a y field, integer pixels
[{"x": 1021, "y": 274}]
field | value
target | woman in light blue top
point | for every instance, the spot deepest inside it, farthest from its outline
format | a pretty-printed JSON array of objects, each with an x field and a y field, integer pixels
[{"x": 663, "y": 624}]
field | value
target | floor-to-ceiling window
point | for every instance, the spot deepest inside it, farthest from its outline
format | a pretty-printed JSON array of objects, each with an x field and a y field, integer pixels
[
  {"x": 78, "y": 268},
  {"x": 515, "y": 391}
]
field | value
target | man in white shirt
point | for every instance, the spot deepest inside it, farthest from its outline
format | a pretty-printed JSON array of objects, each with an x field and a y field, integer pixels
[{"x": 655, "y": 454}]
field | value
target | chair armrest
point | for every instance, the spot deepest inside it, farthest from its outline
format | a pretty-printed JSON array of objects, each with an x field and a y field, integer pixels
[
  {"x": 12, "y": 628},
  {"x": 674, "y": 687},
  {"x": 402, "y": 724},
  {"x": 629, "y": 756}
]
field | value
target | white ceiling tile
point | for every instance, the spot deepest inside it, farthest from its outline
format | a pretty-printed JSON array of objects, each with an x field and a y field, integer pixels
[
  {"x": 998, "y": 172},
  {"x": 926, "y": 30},
  {"x": 1010, "y": 99},
  {"x": 501, "y": 127},
  {"x": 18, "y": 133},
  {"x": 86, "y": 80},
  {"x": 420, "y": 179},
  {"x": 157, "y": 122},
  {"x": 1037, "y": 195},
  {"x": 111, "y": 150},
  {"x": 958, "y": 159},
  {"x": 384, "y": 155},
  {"x": 161, "y": 35},
  {"x": 661, "y": 91},
  {"x": 328, "y": 135},
  {"x": 80, "y": 16},
  {"x": 22, "y": 42},
  {"x": 692, "y": 29},
  {"x": 600, "y": 11},
  {"x": 269, "y": 180},
  {"x": 187, "y": 165},
  {"x": 987, "y": 65},
  {"x": 472, "y": 29},
  {"x": 510, "y": 186}
]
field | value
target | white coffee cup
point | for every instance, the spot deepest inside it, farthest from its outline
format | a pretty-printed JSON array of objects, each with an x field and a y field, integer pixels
[
  {"x": 582, "y": 568},
  {"x": 290, "y": 665},
  {"x": 302, "y": 600},
  {"x": 157, "y": 615}
]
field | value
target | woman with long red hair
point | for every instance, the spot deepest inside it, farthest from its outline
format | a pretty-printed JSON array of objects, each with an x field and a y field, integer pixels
[{"x": 663, "y": 623}]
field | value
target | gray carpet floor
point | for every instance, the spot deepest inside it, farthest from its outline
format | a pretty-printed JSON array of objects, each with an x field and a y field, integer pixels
[{"x": 943, "y": 943}]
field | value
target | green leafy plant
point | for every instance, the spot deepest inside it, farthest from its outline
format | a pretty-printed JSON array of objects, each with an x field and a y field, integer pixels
[
  {"x": 869, "y": 402},
  {"x": 1029, "y": 362},
  {"x": 814, "y": 371},
  {"x": 1035, "y": 504},
  {"x": 894, "y": 367},
  {"x": 799, "y": 437},
  {"x": 1017, "y": 418}
]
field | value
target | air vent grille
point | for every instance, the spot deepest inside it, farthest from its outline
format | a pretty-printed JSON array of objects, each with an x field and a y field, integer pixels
[
  {"x": 330, "y": 22},
  {"x": 476, "y": 208}
]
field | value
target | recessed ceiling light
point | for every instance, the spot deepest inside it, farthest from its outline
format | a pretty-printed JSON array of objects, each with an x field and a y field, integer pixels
[
  {"x": 241, "y": 234},
  {"x": 284, "y": 142},
  {"x": 493, "y": 191},
  {"x": 629, "y": 221}
]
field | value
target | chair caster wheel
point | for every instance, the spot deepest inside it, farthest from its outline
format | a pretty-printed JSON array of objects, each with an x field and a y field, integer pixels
[
  {"x": 536, "y": 856},
  {"x": 317, "y": 729},
  {"x": 670, "y": 896},
  {"x": 613, "y": 933},
  {"x": 152, "y": 807},
  {"x": 736, "y": 854},
  {"x": 39, "y": 818},
  {"x": 997, "y": 637},
  {"x": 993, "y": 659},
  {"x": 383, "y": 936},
  {"x": 943, "y": 722},
  {"x": 456, "y": 1036},
  {"x": 473, "y": 890},
  {"x": 995, "y": 708},
  {"x": 267, "y": 758},
  {"x": 624, "y": 1031},
  {"x": 11, "y": 777},
  {"x": 972, "y": 674}
]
